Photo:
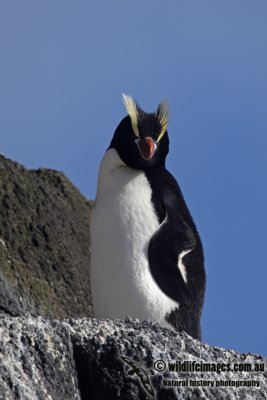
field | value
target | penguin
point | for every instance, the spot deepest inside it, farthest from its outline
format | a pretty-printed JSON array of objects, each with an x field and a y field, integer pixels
[{"x": 147, "y": 259}]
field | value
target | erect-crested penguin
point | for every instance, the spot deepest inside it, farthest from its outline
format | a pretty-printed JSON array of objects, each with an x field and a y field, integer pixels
[{"x": 147, "y": 259}]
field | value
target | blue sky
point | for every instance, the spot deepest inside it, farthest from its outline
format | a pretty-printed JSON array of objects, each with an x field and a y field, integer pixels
[{"x": 64, "y": 65}]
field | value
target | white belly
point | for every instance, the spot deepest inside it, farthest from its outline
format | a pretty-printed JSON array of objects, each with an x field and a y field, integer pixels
[{"x": 122, "y": 223}]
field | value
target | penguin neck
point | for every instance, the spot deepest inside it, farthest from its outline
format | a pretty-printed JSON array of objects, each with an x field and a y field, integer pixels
[{"x": 112, "y": 159}]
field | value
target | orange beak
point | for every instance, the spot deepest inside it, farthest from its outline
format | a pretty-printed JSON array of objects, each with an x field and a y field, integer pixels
[{"x": 146, "y": 147}]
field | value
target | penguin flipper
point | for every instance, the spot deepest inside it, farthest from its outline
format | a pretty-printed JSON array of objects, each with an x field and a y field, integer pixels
[{"x": 174, "y": 237}]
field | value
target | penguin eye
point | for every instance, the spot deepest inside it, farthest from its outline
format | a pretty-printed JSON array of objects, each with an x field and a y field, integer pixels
[{"x": 133, "y": 135}]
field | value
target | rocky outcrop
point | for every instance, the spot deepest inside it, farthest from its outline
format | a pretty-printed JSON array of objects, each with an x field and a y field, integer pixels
[
  {"x": 83, "y": 359},
  {"x": 44, "y": 279},
  {"x": 44, "y": 244}
]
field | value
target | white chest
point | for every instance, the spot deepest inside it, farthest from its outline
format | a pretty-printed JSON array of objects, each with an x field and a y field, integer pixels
[{"x": 122, "y": 224}]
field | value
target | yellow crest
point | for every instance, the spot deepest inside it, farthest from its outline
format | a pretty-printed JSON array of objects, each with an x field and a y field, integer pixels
[
  {"x": 134, "y": 110},
  {"x": 163, "y": 117}
]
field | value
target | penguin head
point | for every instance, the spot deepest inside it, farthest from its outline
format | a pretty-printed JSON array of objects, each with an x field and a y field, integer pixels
[{"x": 141, "y": 139}]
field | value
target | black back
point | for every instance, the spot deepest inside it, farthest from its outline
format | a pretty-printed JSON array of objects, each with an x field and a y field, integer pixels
[{"x": 177, "y": 234}]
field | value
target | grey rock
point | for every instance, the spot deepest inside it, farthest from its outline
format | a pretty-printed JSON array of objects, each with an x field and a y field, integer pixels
[
  {"x": 81, "y": 359},
  {"x": 44, "y": 244},
  {"x": 36, "y": 361},
  {"x": 45, "y": 278}
]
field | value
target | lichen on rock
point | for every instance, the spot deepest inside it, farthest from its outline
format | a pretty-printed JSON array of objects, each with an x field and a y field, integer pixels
[{"x": 44, "y": 244}]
